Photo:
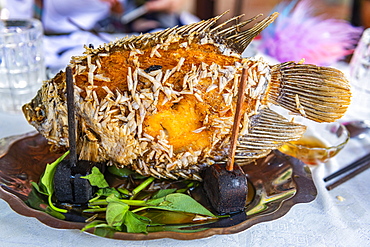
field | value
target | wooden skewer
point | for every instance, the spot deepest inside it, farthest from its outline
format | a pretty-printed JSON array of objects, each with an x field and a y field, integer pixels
[
  {"x": 71, "y": 117},
  {"x": 237, "y": 118}
]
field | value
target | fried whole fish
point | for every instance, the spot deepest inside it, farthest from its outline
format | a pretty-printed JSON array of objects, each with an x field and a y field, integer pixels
[{"x": 163, "y": 103}]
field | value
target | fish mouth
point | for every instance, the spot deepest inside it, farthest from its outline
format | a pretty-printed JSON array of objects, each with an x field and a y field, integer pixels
[{"x": 34, "y": 111}]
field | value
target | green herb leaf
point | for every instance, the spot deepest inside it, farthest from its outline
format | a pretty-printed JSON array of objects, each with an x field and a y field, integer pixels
[
  {"x": 124, "y": 172},
  {"x": 51, "y": 205},
  {"x": 94, "y": 224},
  {"x": 106, "y": 192},
  {"x": 177, "y": 228},
  {"x": 96, "y": 178},
  {"x": 37, "y": 187},
  {"x": 121, "y": 172},
  {"x": 181, "y": 203},
  {"x": 101, "y": 228},
  {"x": 36, "y": 201},
  {"x": 116, "y": 211},
  {"x": 105, "y": 231},
  {"x": 163, "y": 193},
  {"x": 55, "y": 213},
  {"x": 136, "y": 223},
  {"x": 46, "y": 185},
  {"x": 166, "y": 217},
  {"x": 128, "y": 202},
  {"x": 48, "y": 176},
  {"x": 142, "y": 186},
  {"x": 94, "y": 210},
  {"x": 125, "y": 192}
]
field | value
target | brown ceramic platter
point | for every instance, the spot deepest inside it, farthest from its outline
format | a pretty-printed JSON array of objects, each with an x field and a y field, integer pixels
[{"x": 278, "y": 182}]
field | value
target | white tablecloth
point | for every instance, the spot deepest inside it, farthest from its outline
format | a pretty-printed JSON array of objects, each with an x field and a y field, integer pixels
[{"x": 327, "y": 221}]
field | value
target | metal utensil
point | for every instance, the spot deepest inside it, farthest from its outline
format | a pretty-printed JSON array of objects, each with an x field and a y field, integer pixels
[{"x": 136, "y": 13}]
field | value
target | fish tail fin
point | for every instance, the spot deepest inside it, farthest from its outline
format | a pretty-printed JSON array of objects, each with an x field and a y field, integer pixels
[{"x": 318, "y": 93}]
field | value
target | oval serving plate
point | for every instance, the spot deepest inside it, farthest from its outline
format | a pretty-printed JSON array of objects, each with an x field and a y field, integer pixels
[{"x": 277, "y": 183}]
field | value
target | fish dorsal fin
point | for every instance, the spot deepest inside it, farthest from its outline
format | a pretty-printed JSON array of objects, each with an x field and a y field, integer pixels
[
  {"x": 199, "y": 27},
  {"x": 146, "y": 40},
  {"x": 238, "y": 39},
  {"x": 267, "y": 130},
  {"x": 318, "y": 93},
  {"x": 231, "y": 36}
]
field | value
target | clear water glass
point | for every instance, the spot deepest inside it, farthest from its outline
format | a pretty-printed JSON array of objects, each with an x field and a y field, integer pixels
[
  {"x": 22, "y": 67},
  {"x": 360, "y": 78}
]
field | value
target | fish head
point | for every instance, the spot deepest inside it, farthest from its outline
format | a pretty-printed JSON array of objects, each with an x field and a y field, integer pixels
[
  {"x": 35, "y": 111},
  {"x": 47, "y": 112}
]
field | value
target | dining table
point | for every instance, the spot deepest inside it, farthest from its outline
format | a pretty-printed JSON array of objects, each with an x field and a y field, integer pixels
[{"x": 339, "y": 217}]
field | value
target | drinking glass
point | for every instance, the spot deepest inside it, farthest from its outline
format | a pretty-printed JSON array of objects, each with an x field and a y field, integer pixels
[
  {"x": 22, "y": 68},
  {"x": 360, "y": 78}
]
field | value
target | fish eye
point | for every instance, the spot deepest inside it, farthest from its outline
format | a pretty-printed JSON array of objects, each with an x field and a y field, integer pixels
[{"x": 40, "y": 114}]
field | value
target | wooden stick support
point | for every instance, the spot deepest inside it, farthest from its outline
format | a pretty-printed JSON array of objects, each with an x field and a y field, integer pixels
[
  {"x": 71, "y": 117},
  {"x": 237, "y": 118}
]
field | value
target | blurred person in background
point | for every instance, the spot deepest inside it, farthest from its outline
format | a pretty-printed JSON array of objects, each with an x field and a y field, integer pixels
[
  {"x": 361, "y": 13},
  {"x": 70, "y": 24},
  {"x": 365, "y": 13}
]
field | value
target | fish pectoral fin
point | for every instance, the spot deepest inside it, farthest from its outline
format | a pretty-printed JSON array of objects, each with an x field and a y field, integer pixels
[
  {"x": 318, "y": 93},
  {"x": 267, "y": 131},
  {"x": 238, "y": 39}
]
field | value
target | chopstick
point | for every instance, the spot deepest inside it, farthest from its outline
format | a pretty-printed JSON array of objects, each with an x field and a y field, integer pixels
[
  {"x": 349, "y": 176},
  {"x": 352, "y": 169},
  {"x": 348, "y": 168}
]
